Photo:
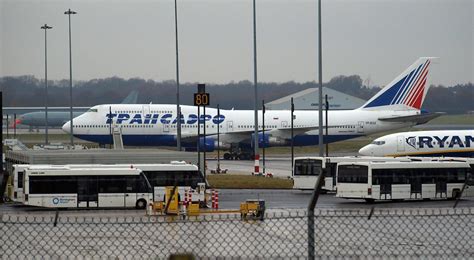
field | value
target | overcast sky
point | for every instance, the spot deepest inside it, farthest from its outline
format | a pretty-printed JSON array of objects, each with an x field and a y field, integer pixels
[{"x": 375, "y": 39}]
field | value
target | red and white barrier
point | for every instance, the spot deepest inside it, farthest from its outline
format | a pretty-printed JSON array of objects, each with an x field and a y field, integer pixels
[
  {"x": 257, "y": 164},
  {"x": 185, "y": 202},
  {"x": 215, "y": 199},
  {"x": 190, "y": 197}
]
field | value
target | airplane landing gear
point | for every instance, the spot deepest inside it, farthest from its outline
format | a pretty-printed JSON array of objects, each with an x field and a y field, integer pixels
[{"x": 238, "y": 153}]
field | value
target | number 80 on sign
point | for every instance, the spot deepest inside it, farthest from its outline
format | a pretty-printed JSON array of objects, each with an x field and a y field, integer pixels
[{"x": 201, "y": 99}]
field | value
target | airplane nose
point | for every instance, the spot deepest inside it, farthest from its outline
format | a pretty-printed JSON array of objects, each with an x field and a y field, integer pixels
[
  {"x": 366, "y": 150},
  {"x": 67, "y": 127}
]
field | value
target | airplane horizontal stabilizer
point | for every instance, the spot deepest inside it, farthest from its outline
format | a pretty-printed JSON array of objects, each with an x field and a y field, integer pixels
[{"x": 418, "y": 119}]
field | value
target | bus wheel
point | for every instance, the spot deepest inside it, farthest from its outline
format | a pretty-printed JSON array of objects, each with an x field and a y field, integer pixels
[
  {"x": 227, "y": 156},
  {"x": 141, "y": 204},
  {"x": 369, "y": 200}
]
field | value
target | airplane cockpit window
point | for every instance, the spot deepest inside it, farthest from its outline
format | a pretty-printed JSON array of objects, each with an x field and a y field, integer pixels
[
  {"x": 92, "y": 110},
  {"x": 378, "y": 142}
]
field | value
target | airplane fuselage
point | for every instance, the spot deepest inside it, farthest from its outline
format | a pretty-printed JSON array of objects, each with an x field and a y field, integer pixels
[
  {"x": 423, "y": 143},
  {"x": 156, "y": 125}
]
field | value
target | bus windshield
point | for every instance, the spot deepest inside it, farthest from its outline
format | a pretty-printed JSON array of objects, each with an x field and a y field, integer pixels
[
  {"x": 352, "y": 174},
  {"x": 308, "y": 167}
]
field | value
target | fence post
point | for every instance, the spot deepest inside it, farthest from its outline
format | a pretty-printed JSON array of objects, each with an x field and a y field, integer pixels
[
  {"x": 56, "y": 216},
  {"x": 311, "y": 206}
]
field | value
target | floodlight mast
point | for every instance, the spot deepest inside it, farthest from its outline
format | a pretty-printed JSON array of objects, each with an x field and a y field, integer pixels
[
  {"x": 46, "y": 27},
  {"x": 68, "y": 13}
]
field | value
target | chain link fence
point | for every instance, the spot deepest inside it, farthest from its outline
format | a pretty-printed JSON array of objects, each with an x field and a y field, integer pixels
[{"x": 407, "y": 233}]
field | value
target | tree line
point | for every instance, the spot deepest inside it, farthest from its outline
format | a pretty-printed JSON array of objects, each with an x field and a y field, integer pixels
[{"x": 30, "y": 91}]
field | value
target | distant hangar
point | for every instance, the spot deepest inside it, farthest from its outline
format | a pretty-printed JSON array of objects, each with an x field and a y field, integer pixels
[{"x": 308, "y": 100}]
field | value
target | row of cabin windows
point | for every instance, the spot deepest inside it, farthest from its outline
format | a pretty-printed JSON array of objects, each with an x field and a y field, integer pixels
[
  {"x": 344, "y": 126},
  {"x": 251, "y": 126},
  {"x": 141, "y": 126},
  {"x": 194, "y": 126},
  {"x": 274, "y": 126},
  {"x": 139, "y": 112}
]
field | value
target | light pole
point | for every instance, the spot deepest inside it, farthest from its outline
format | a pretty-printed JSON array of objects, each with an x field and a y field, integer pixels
[
  {"x": 320, "y": 114},
  {"x": 263, "y": 136},
  {"x": 178, "y": 109},
  {"x": 218, "y": 170},
  {"x": 68, "y": 13},
  {"x": 317, "y": 189},
  {"x": 292, "y": 135},
  {"x": 255, "y": 141},
  {"x": 327, "y": 127},
  {"x": 45, "y": 27}
]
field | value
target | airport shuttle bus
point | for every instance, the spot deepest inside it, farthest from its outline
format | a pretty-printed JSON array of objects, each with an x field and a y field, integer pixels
[
  {"x": 403, "y": 180},
  {"x": 307, "y": 170},
  {"x": 18, "y": 178},
  {"x": 86, "y": 188},
  {"x": 185, "y": 176},
  {"x": 181, "y": 174}
]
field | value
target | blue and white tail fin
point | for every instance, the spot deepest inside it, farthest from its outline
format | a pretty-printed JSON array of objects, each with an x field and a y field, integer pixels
[{"x": 407, "y": 91}]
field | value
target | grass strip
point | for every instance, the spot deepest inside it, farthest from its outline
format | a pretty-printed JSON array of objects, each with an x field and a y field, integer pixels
[{"x": 225, "y": 181}]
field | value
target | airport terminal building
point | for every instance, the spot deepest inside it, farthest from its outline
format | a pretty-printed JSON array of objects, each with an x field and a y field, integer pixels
[{"x": 308, "y": 100}]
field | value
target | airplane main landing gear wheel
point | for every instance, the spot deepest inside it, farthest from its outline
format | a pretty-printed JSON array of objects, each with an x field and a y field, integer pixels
[{"x": 227, "y": 156}]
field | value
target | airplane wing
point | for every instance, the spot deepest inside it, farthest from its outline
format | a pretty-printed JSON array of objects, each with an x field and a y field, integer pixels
[
  {"x": 286, "y": 132},
  {"x": 241, "y": 136},
  {"x": 418, "y": 119},
  {"x": 234, "y": 137}
]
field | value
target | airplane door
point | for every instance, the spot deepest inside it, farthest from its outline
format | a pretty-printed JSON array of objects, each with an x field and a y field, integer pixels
[
  {"x": 360, "y": 127},
  {"x": 284, "y": 124},
  {"x": 230, "y": 126},
  {"x": 400, "y": 143},
  {"x": 166, "y": 128},
  {"x": 145, "y": 110}
]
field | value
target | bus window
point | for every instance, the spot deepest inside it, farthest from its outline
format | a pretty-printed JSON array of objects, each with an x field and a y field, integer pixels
[
  {"x": 111, "y": 184},
  {"x": 470, "y": 176},
  {"x": 400, "y": 176},
  {"x": 352, "y": 174},
  {"x": 20, "y": 180},
  {"x": 308, "y": 167},
  {"x": 53, "y": 184}
]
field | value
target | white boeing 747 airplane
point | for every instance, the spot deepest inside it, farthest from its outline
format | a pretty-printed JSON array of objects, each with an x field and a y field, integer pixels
[
  {"x": 397, "y": 105},
  {"x": 452, "y": 143}
]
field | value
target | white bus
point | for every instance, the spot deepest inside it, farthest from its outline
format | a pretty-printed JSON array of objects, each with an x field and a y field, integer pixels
[
  {"x": 18, "y": 179},
  {"x": 307, "y": 170},
  {"x": 185, "y": 176},
  {"x": 86, "y": 188},
  {"x": 403, "y": 180}
]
